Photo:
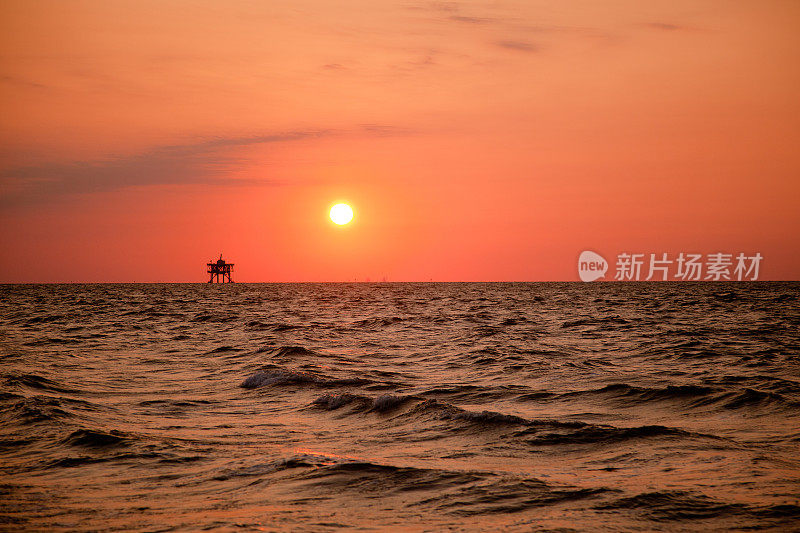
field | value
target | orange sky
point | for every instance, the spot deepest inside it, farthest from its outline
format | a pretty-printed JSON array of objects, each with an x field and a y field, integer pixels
[{"x": 475, "y": 140}]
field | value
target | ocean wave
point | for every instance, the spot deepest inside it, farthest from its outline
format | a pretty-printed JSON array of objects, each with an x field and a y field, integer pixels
[
  {"x": 473, "y": 393},
  {"x": 690, "y": 396},
  {"x": 175, "y": 404},
  {"x": 281, "y": 376},
  {"x": 90, "y": 438},
  {"x": 376, "y": 322},
  {"x": 385, "y": 480},
  {"x": 447, "y": 411},
  {"x": 287, "y": 352},
  {"x": 419, "y": 411},
  {"x": 635, "y": 394},
  {"x": 749, "y": 398},
  {"x": 770, "y": 383},
  {"x": 35, "y": 409},
  {"x": 456, "y": 492},
  {"x": 262, "y": 469},
  {"x": 686, "y": 505},
  {"x": 34, "y": 381},
  {"x": 271, "y": 326},
  {"x": 592, "y": 321},
  {"x": 277, "y": 377},
  {"x": 508, "y": 495},
  {"x": 674, "y": 505},
  {"x": 45, "y": 319},
  {"x": 380, "y": 404},
  {"x": 14, "y": 443},
  {"x": 135, "y": 458},
  {"x": 214, "y": 318},
  {"x": 47, "y": 341},
  {"x": 728, "y": 296},
  {"x": 602, "y": 434},
  {"x": 223, "y": 349}
]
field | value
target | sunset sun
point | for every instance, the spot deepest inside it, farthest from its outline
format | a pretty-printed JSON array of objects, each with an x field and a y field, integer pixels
[{"x": 341, "y": 214}]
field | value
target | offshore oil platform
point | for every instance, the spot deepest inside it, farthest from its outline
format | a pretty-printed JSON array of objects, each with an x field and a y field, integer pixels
[{"x": 220, "y": 268}]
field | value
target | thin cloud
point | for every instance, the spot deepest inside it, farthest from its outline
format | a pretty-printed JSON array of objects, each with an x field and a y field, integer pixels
[
  {"x": 664, "y": 26},
  {"x": 206, "y": 162},
  {"x": 446, "y": 7},
  {"x": 451, "y": 11},
  {"x": 470, "y": 20},
  {"x": 11, "y": 80},
  {"x": 493, "y": 17},
  {"x": 520, "y": 46}
]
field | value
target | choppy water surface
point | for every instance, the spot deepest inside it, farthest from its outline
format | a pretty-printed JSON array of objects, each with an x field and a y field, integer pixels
[{"x": 316, "y": 407}]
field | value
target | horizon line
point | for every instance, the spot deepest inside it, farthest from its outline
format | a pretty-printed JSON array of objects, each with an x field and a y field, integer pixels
[{"x": 379, "y": 282}]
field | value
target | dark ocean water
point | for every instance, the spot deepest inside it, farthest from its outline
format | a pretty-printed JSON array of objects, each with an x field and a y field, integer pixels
[{"x": 317, "y": 407}]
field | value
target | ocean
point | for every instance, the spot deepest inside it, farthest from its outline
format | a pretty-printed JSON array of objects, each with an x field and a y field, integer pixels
[{"x": 400, "y": 407}]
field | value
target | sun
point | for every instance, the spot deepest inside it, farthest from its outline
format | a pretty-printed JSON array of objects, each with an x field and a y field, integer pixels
[{"x": 341, "y": 214}]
